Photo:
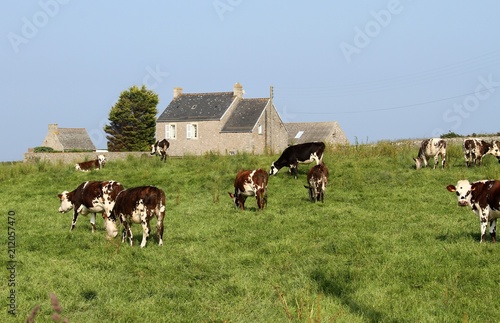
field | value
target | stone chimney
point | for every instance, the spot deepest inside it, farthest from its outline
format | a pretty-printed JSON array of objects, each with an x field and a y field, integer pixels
[
  {"x": 238, "y": 90},
  {"x": 53, "y": 128},
  {"x": 177, "y": 92}
]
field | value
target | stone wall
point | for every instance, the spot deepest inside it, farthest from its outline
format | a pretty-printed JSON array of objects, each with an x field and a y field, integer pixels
[{"x": 73, "y": 158}]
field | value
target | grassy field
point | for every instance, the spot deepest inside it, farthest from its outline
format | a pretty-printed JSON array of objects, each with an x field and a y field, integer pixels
[{"x": 389, "y": 244}]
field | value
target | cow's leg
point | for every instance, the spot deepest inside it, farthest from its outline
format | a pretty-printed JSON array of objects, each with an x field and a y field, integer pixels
[
  {"x": 145, "y": 232},
  {"x": 293, "y": 170},
  {"x": 484, "y": 222},
  {"x": 493, "y": 230},
  {"x": 436, "y": 161},
  {"x": 127, "y": 232},
  {"x": 159, "y": 225},
  {"x": 92, "y": 222},
  {"x": 242, "y": 199},
  {"x": 73, "y": 222},
  {"x": 443, "y": 160}
]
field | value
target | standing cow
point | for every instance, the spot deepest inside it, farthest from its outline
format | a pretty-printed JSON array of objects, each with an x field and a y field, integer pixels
[
  {"x": 140, "y": 205},
  {"x": 476, "y": 149},
  {"x": 433, "y": 147},
  {"x": 301, "y": 153},
  {"x": 92, "y": 197},
  {"x": 160, "y": 148},
  {"x": 250, "y": 183},
  {"x": 317, "y": 178},
  {"x": 484, "y": 199}
]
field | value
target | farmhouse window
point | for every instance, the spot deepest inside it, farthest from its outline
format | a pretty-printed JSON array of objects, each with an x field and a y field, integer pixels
[
  {"x": 192, "y": 131},
  {"x": 171, "y": 131},
  {"x": 260, "y": 129}
]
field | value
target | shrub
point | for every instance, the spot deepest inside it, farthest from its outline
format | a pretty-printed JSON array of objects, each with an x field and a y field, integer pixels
[{"x": 43, "y": 149}]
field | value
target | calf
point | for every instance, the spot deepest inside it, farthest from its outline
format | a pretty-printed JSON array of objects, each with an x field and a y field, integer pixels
[
  {"x": 301, "y": 153},
  {"x": 91, "y": 164},
  {"x": 476, "y": 149},
  {"x": 484, "y": 199},
  {"x": 160, "y": 148},
  {"x": 140, "y": 205},
  {"x": 92, "y": 197},
  {"x": 317, "y": 178},
  {"x": 433, "y": 147},
  {"x": 250, "y": 183}
]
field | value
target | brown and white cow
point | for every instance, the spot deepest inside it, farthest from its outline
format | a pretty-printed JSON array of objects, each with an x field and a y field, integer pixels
[
  {"x": 476, "y": 149},
  {"x": 160, "y": 148},
  {"x": 317, "y": 178},
  {"x": 140, "y": 205},
  {"x": 432, "y": 147},
  {"x": 92, "y": 197},
  {"x": 91, "y": 164},
  {"x": 250, "y": 183},
  {"x": 484, "y": 199}
]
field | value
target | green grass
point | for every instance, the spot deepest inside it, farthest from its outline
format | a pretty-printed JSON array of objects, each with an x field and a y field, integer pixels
[{"x": 389, "y": 244}]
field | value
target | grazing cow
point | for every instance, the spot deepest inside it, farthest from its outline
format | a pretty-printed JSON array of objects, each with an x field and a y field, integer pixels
[
  {"x": 250, "y": 183},
  {"x": 433, "y": 147},
  {"x": 317, "y": 178},
  {"x": 160, "y": 148},
  {"x": 91, "y": 164},
  {"x": 92, "y": 197},
  {"x": 301, "y": 153},
  {"x": 140, "y": 205},
  {"x": 484, "y": 199},
  {"x": 476, "y": 149}
]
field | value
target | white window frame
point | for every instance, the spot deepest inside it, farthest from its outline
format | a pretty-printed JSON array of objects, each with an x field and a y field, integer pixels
[
  {"x": 171, "y": 131},
  {"x": 192, "y": 131},
  {"x": 259, "y": 131}
]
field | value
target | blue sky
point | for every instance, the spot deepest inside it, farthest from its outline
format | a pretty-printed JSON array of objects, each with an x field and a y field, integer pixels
[{"x": 383, "y": 69}]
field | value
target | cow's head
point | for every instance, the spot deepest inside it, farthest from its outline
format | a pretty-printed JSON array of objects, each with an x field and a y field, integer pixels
[
  {"x": 101, "y": 160},
  {"x": 66, "y": 204},
  {"x": 494, "y": 149},
  {"x": 111, "y": 227},
  {"x": 463, "y": 190},
  {"x": 418, "y": 162},
  {"x": 274, "y": 170},
  {"x": 153, "y": 148}
]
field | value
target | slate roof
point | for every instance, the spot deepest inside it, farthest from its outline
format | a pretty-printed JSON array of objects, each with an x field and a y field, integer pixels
[
  {"x": 75, "y": 138},
  {"x": 197, "y": 107},
  {"x": 300, "y": 132},
  {"x": 245, "y": 115}
]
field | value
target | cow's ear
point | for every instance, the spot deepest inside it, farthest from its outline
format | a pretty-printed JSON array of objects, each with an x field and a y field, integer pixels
[
  {"x": 451, "y": 188},
  {"x": 231, "y": 195}
]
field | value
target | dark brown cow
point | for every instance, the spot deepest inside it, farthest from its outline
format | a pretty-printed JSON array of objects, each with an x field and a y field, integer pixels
[
  {"x": 484, "y": 199},
  {"x": 317, "y": 178},
  {"x": 140, "y": 205},
  {"x": 91, "y": 164},
  {"x": 92, "y": 197},
  {"x": 250, "y": 183},
  {"x": 476, "y": 149}
]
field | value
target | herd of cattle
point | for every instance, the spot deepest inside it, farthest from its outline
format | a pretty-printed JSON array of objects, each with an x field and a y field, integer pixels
[
  {"x": 482, "y": 196},
  {"x": 141, "y": 204}
]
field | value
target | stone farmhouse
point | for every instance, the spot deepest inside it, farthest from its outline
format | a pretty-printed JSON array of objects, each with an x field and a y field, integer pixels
[
  {"x": 68, "y": 139},
  {"x": 221, "y": 122},
  {"x": 328, "y": 132}
]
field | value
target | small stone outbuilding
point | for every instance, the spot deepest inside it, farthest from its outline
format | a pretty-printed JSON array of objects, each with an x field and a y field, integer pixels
[
  {"x": 68, "y": 139},
  {"x": 328, "y": 132}
]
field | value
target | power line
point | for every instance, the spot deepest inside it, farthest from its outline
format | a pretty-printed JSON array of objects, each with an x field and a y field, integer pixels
[{"x": 402, "y": 106}]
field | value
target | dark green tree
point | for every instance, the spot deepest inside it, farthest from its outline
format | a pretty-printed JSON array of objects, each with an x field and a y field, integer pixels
[{"x": 132, "y": 120}]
